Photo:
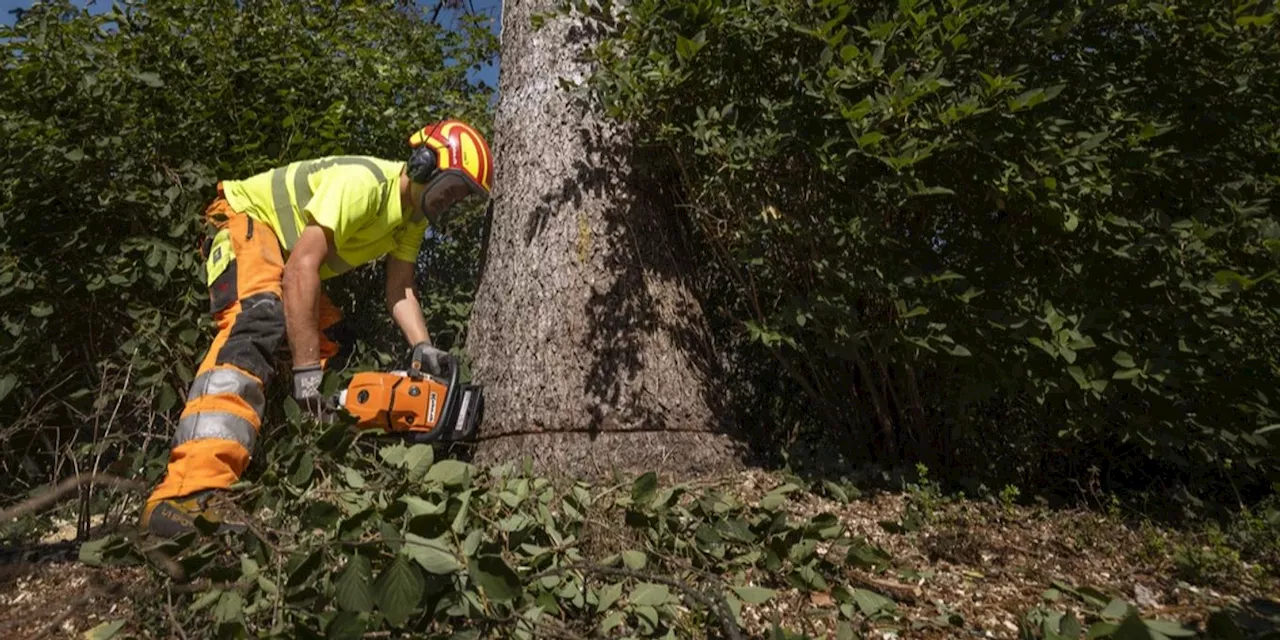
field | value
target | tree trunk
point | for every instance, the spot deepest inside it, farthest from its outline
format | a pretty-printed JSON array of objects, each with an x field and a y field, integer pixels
[{"x": 586, "y": 331}]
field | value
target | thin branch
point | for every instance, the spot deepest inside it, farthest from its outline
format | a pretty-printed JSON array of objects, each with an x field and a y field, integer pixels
[
  {"x": 173, "y": 619},
  {"x": 69, "y": 485}
]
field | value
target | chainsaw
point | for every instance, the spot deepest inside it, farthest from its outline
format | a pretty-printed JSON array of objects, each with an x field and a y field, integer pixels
[{"x": 417, "y": 406}]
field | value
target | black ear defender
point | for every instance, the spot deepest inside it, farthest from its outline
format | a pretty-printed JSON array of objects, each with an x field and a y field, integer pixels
[{"x": 422, "y": 164}]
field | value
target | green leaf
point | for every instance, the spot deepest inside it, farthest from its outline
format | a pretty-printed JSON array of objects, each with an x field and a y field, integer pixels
[
  {"x": 472, "y": 543},
  {"x": 41, "y": 309},
  {"x": 1169, "y": 628},
  {"x": 870, "y": 139},
  {"x": 353, "y": 478},
  {"x": 7, "y": 385},
  {"x": 418, "y": 460},
  {"x": 649, "y": 594},
  {"x": 608, "y": 596},
  {"x": 871, "y": 603},
  {"x": 451, "y": 473},
  {"x": 167, "y": 399},
  {"x": 611, "y": 621},
  {"x": 772, "y": 501},
  {"x": 1078, "y": 375},
  {"x": 105, "y": 631},
  {"x": 634, "y": 560},
  {"x": 346, "y": 625},
  {"x": 150, "y": 79},
  {"x": 754, "y": 595},
  {"x": 394, "y": 454},
  {"x": 91, "y": 551},
  {"x": 419, "y": 507},
  {"x": 399, "y": 589},
  {"x": 1126, "y": 374},
  {"x": 354, "y": 589},
  {"x": 647, "y": 615},
  {"x": 643, "y": 489},
  {"x": 464, "y": 510},
  {"x": 932, "y": 191},
  {"x": 1094, "y": 140},
  {"x": 1116, "y": 609},
  {"x": 844, "y": 631},
  {"x": 230, "y": 607},
  {"x": 205, "y": 600},
  {"x": 1132, "y": 628},
  {"x": 1123, "y": 359},
  {"x": 302, "y": 470},
  {"x": 499, "y": 582},
  {"x": 435, "y": 554}
]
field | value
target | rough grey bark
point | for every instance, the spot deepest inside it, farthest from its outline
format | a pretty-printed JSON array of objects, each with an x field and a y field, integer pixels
[{"x": 585, "y": 332}]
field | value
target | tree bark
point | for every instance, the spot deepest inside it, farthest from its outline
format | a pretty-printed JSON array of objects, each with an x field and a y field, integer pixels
[{"x": 586, "y": 332}]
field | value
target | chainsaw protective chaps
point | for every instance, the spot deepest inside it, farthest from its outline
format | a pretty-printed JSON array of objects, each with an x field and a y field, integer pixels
[{"x": 225, "y": 404}]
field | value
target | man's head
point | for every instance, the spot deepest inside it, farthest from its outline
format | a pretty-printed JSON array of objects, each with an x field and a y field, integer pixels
[{"x": 450, "y": 160}]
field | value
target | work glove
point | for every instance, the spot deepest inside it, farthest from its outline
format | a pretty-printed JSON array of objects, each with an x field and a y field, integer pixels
[
  {"x": 428, "y": 359},
  {"x": 306, "y": 391}
]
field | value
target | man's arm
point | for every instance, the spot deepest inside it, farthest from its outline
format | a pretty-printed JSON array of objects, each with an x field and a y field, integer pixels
[
  {"x": 402, "y": 302},
  {"x": 301, "y": 288}
]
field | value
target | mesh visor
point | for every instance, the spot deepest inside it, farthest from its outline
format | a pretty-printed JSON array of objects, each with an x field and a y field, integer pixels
[{"x": 444, "y": 192}]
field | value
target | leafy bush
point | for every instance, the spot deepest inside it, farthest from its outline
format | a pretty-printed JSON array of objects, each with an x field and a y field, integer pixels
[
  {"x": 116, "y": 128},
  {"x": 1017, "y": 239}
]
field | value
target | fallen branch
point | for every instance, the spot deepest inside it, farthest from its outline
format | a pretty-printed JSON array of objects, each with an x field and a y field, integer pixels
[{"x": 61, "y": 489}]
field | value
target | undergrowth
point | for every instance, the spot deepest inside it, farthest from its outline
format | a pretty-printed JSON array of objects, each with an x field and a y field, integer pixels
[{"x": 353, "y": 534}]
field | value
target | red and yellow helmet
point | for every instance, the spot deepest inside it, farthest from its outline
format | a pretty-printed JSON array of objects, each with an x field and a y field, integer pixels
[{"x": 451, "y": 147}]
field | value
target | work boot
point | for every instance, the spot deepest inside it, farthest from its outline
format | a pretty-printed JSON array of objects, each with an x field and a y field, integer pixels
[{"x": 173, "y": 517}]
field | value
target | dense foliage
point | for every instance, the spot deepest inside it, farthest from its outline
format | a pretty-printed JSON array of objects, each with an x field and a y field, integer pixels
[
  {"x": 116, "y": 128},
  {"x": 1009, "y": 237}
]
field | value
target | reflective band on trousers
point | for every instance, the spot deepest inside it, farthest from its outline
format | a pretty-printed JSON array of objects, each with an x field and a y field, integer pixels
[
  {"x": 217, "y": 425},
  {"x": 302, "y": 190},
  {"x": 229, "y": 381}
]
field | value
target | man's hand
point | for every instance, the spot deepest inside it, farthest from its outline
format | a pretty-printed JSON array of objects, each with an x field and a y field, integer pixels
[
  {"x": 430, "y": 359},
  {"x": 306, "y": 391}
]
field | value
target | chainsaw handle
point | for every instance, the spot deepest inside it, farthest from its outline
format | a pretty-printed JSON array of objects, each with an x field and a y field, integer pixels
[
  {"x": 450, "y": 396},
  {"x": 450, "y": 399}
]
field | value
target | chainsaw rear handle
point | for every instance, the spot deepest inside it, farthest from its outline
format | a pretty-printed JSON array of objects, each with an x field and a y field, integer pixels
[{"x": 450, "y": 399}]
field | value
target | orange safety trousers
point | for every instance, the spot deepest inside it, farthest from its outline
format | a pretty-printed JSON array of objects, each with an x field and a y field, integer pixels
[{"x": 225, "y": 404}]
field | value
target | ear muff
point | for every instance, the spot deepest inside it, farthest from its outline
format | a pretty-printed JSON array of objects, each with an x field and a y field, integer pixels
[{"x": 422, "y": 165}]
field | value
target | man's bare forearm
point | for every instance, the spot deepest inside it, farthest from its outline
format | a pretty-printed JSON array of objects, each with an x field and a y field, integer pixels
[
  {"x": 301, "y": 287},
  {"x": 407, "y": 313},
  {"x": 402, "y": 302}
]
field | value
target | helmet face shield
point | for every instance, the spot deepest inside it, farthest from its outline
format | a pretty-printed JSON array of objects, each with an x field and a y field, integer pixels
[{"x": 446, "y": 190}]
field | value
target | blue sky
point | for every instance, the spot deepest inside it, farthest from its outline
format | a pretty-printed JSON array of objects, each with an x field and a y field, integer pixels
[{"x": 490, "y": 8}]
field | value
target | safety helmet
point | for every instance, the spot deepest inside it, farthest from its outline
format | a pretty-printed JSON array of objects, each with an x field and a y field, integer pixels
[{"x": 451, "y": 147}]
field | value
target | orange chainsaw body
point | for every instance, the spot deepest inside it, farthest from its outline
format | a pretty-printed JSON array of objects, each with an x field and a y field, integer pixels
[
  {"x": 395, "y": 402},
  {"x": 422, "y": 408}
]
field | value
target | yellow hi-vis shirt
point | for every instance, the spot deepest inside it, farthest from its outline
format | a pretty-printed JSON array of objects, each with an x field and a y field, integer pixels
[{"x": 356, "y": 197}]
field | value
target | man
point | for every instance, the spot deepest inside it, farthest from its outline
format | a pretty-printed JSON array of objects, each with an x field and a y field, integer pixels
[{"x": 279, "y": 234}]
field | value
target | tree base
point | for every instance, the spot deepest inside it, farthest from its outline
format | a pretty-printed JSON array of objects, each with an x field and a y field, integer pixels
[{"x": 598, "y": 456}]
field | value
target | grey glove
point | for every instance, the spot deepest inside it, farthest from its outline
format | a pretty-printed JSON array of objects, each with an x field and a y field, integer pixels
[
  {"x": 306, "y": 391},
  {"x": 428, "y": 359}
]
